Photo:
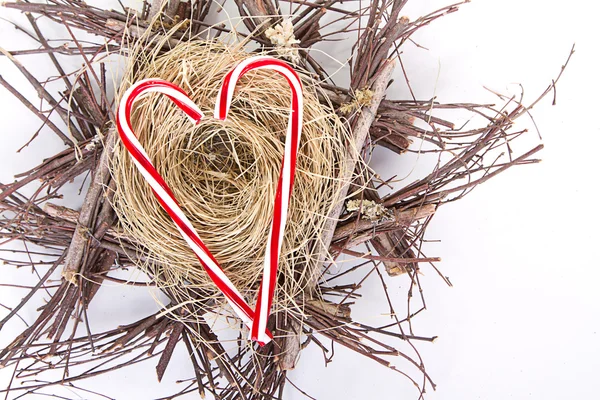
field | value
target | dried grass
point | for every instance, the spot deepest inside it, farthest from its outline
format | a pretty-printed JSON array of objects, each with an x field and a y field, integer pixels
[{"x": 224, "y": 174}]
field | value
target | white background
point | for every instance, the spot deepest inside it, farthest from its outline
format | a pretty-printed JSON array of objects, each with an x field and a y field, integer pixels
[{"x": 523, "y": 318}]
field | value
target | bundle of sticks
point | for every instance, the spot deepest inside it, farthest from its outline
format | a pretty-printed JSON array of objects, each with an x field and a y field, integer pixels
[{"x": 85, "y": 246}]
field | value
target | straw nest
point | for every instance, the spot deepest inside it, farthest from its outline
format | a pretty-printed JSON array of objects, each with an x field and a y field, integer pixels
[{"x": 224, "y": 173}]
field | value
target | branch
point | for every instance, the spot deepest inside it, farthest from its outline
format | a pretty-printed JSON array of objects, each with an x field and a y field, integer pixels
[
  {"x": 361, "y": 129},
  {"x": 400, "y": 219},
  {"x": 89, "y": 211}
]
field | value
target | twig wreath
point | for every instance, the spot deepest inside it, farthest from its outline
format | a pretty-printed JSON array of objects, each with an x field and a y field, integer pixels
[{"x": 274, "y": 180}]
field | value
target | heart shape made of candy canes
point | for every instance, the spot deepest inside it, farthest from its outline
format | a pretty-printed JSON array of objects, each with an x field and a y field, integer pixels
[{"x": 255, "y": 319}]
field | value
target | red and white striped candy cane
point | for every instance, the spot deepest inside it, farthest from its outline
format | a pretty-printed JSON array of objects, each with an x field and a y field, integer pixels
[
  {"x": 286, "y": 177},
  {"x": 164, "y": 194}
]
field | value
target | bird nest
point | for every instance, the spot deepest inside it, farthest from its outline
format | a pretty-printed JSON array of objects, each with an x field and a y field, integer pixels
[{"x": 224, "y": 174}]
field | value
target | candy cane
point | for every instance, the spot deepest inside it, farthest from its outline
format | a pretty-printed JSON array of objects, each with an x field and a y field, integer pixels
[
  {"x": 165, "y": 196},
  {"x": 286, "y": 177}
]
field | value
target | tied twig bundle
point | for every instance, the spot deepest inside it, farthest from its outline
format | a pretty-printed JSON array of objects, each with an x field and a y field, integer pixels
[
  {"x": 218, "y": 165},
  {"x": 224, "y": 175}
]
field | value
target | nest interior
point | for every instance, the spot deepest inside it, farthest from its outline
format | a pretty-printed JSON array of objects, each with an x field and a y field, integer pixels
[{"x": 224, "y": 173}]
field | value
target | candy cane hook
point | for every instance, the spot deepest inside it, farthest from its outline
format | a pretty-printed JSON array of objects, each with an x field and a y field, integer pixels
[{"x": 286, "y": 177}]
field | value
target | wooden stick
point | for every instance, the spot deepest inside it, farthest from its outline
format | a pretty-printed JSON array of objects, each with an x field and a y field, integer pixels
[
  {"x": 138, "y": 32},
  {"x": 261, "y": 11},
  {"x": 169, "y": 9},
  {"x": 290, "y": 345},
  {"x": 400, "y": 218},
  {"x": 168, "y": 351},
  {"x": 362, "y": 126},
  {"x": 89, "y": 210}
]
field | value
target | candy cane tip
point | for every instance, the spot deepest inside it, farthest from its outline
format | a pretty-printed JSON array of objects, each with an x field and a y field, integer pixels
[
  {"x": 196, "y": 116},
  {"x": 217, "y": 112},
  {"x": 195, "y": 119},
  {"x": 260, "y": 339}
]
